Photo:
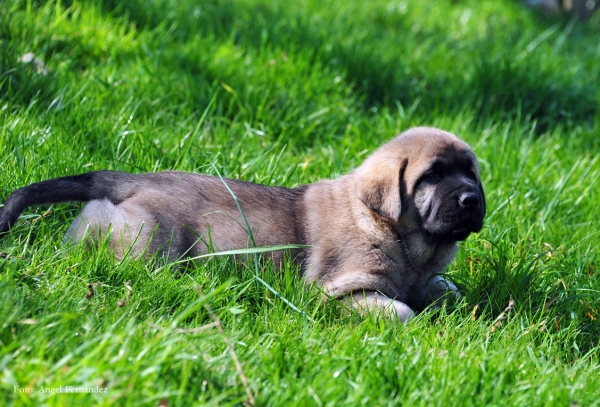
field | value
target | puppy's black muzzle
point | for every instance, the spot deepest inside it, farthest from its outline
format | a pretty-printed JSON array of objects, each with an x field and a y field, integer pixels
[{"x": 458, "y": 211}]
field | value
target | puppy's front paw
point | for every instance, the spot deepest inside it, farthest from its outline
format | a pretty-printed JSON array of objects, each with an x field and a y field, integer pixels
[
  {"x": 438, "y": 290},
  {"x": 373, "y": 301}
]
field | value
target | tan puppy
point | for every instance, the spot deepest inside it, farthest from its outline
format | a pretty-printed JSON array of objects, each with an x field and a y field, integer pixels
[{"x": 378, "y": 237}]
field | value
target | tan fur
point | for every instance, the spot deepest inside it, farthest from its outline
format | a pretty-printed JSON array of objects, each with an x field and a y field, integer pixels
[
  {"x": 367, "y": 230},
  {"x": 352, "y": 224}
]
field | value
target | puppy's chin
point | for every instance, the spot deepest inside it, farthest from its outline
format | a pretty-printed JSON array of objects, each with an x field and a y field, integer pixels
[
  {"x": 448, "y": 238},
  {"x": 446, "y": 232},
  {"x": 460, "y": 235}
]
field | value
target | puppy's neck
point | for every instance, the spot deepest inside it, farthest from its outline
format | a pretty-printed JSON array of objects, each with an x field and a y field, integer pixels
[
  {"x": 425, "y": 257},
  {"x": 404, "y": 242}
]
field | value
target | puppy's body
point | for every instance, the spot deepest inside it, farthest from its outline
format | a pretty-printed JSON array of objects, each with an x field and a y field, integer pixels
[
  {"x": 184, "y": 214},
  {"x": 377, "y": 236}
]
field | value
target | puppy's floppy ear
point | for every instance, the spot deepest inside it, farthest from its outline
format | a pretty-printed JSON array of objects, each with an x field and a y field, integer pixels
[{"x": 379, "y": 186}]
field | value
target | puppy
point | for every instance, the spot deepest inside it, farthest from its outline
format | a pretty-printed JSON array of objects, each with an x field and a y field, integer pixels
[{"x": 378, "y": 237}]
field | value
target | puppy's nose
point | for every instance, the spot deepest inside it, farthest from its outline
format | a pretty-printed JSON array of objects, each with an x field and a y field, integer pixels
[{"x": 469, "y": 200}]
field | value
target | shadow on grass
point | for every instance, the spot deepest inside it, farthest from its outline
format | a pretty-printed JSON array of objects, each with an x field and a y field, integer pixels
[
  {"x": 494, "y": 84},
  {"x": 372, "y": 50},
  {"x": 527, "y": 282}
]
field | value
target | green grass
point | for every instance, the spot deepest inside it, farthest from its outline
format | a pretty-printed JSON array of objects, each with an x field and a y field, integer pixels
[{"x": 287, "y": 93}]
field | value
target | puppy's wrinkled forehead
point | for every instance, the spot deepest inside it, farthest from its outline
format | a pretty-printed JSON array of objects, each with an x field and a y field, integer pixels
[
  {"x": 435, "y": 150},
  {"x": 427, "y": 141}
]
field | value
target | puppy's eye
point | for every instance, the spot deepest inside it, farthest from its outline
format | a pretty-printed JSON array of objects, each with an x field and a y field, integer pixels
[{"x": 431, "y": 176}]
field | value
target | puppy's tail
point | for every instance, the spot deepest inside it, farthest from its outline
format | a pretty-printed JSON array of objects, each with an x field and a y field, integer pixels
[{"x": 114, "y": 186}]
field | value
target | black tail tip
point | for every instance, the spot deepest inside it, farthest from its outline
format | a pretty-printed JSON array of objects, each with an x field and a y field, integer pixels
[{"x": 4, "y": 226}]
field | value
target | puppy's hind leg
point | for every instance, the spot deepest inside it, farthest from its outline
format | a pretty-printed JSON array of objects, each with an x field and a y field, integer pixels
[
  {"x": 95, "y": 220},
  {"x": 369, "y": 301}
]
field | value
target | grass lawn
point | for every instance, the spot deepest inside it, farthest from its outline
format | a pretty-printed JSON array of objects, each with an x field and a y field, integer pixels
[{"x": 288, "y": 93}]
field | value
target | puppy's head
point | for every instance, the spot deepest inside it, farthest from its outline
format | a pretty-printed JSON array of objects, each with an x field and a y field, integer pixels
[{"x": 428, "y": 178}]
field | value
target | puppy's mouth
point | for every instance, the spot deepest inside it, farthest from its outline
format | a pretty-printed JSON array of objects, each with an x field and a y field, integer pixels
[
  {"x": 453, "y": 231},
  {"x": 460, "y": 234}
]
